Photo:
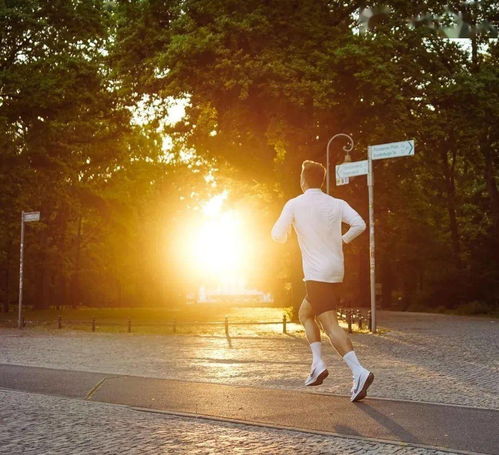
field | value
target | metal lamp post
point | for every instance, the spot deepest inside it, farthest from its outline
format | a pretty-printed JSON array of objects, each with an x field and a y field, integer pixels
[
  {"x": 370, "y": 184},
  {"x": 347, "y": 148}
]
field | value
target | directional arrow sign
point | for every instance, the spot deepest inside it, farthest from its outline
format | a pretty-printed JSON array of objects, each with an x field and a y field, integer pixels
[
  {"x": 351, "y": 169},
  {"x": 392, "y": 150},
  {"x": 31, "y": 216}
]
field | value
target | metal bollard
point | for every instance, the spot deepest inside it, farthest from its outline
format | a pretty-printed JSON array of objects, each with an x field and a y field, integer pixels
[
  {"x": 93, "y": 325},
  {"x": 369, "y": 321},
  {"x": 59, "y": 322},
  {"x": 227, "y": 327},
  {"x": 129, "y": 326},
  {"x": 349, "y": 321},
  {"x": 284, "y": 323},
  {"x": 174, "y": 326},
  {"x": 359, "y": 321}
]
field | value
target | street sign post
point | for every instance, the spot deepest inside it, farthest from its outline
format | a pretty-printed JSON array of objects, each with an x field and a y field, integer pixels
[
  {"x": 26, "y": 217},
  {"x": 365, "y": 167}
]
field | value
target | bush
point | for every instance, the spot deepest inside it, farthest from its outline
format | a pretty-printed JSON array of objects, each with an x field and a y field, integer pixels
[{"x": 474, "y": 307}]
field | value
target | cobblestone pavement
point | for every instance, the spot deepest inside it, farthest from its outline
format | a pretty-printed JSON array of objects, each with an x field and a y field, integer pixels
[
  {"x": 40, "y": 424},
  {"x": 422, "y": 357}
]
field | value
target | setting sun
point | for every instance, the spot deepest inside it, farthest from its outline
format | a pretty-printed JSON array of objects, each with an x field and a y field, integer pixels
[{"x": 217, "y": 247}]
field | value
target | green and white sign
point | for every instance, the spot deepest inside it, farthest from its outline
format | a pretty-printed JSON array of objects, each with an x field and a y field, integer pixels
[{"x": 392, "y": 150}]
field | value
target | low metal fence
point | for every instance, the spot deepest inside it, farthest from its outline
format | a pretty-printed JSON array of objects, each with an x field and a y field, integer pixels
[
  {"x": 355, "y": 316},
  {"x": 128, "y": 324},
  {"x": 350, "y": 316}
]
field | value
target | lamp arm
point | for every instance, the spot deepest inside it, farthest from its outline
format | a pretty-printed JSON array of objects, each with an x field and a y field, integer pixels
[{"x": 347, "y": 148}]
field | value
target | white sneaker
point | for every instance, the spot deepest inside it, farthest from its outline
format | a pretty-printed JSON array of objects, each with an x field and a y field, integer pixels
[
  {"x": 360, "y": 385},
  {"x": 317, "y": 375}
]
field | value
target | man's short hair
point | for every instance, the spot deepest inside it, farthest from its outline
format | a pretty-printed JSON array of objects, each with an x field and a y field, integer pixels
[{"x": 313, "y": 173}]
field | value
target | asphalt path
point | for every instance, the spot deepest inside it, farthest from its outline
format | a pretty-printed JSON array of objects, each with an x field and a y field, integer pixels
[{"x": 442, "y": 426}]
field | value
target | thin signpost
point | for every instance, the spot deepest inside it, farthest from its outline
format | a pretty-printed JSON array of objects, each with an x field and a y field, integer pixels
[
  {"x": 365, "y": 167},
  {"x": 26, "y": 217}
]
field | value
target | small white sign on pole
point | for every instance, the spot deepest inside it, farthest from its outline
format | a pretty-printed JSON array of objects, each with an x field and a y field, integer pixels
[
  {"x": 342, "y": 181},
  {"x": 31, "y": 216},
  {"x": 392, "y": 150}
]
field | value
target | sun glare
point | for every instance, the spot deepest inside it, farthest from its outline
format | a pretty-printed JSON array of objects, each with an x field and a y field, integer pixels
[
  {"x": 213, "y": 207},
  {"x": 218, "y": 245}
]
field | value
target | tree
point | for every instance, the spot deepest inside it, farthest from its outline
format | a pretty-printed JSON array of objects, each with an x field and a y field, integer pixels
[
  {"x": 268, "y": 84},
  {"x": 85, "y": 88},
  {"x": 62, "y": 127}
]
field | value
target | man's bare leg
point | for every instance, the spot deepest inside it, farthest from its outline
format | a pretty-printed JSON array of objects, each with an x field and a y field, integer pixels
[
  {"x": 307, "y": 319},
  {"x": 362, "y": 378},
  {"x": 318, "y": 371},
  {"x": 337, "y": 335}
]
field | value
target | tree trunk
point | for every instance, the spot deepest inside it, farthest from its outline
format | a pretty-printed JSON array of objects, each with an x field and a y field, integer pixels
[
  {"x": 364, "y": 275},
  {"x": 75, "y": 284},
  {"x": 450, "y": 188},
  {"x": 490, "y": 180},
  {"x": 42, "y": 295},
  {"x": 386, "y": 280},
  {"x": 5, "y": 303}
]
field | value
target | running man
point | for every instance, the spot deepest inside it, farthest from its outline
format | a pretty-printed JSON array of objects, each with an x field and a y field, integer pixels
[{"x": 317, "y": 219}]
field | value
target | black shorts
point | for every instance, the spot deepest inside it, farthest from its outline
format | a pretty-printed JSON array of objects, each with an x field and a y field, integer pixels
[{"x": 322, "y": 296}]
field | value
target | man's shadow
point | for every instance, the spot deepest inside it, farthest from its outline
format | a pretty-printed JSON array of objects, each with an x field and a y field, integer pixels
[{"x": 395, "y": 429}]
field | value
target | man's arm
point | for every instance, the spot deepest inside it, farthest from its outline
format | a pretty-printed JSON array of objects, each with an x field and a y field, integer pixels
[
  {"x": 282, "y": 226},
  {"x": 351, "y": 217}
]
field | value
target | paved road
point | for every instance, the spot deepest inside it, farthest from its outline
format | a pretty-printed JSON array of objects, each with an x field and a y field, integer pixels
[
  {"x": 423, "y": 357},
  {"x": 434, "y": 358},
  {"x": 33, "y": 424},
  {"x": 453, "y": 427},
  {"x": 444, "y": 426}
]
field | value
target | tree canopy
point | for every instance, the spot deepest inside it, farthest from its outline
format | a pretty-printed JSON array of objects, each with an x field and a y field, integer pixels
[{"x": 86, "y": 89}]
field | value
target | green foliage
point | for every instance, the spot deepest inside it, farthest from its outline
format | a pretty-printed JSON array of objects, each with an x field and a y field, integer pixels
[
  {"x": 275, "y": 81},
  {"x": 266, "y": 85}
]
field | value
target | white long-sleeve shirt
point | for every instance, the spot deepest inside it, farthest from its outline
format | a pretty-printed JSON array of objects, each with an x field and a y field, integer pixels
[{"x": 316, "y": 218}]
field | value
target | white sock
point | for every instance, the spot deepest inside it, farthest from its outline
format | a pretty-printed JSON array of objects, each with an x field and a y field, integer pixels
[
  {"x": 316, "y": 352},
  {"x": 353, "y": 362}
]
